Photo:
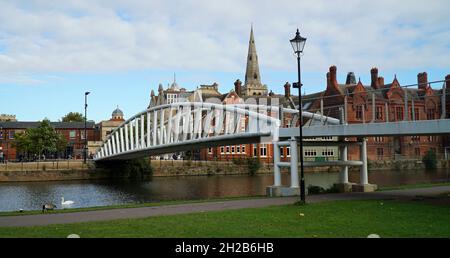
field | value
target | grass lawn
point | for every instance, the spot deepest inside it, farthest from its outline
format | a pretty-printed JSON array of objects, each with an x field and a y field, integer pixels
[
  {"x": 401, "y": 187},
  {"x": 122, "y": 206},
  {"x": 326, "y": 219}
]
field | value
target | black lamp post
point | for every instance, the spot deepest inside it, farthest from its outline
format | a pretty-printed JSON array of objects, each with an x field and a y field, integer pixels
[
  {"x": 298, "y": 43},
  {"x": 85, "y": 120}
]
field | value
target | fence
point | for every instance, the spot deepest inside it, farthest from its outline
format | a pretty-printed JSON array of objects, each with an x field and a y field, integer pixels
[{"x": 44, "y": 165}]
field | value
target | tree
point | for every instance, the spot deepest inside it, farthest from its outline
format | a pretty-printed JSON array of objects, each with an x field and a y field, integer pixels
[
  {"x": 73, "y": 117},
  {"x": 430, "y": 160},
  {"x": 39, "y": 140}
]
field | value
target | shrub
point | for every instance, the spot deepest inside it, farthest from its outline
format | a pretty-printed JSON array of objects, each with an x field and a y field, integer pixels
[
  {"x": 313, "y": 189},
  {"x": 253, "y": 165},
  {"x": 136, "y": 168},
  {"x": 430, "y": 160}
]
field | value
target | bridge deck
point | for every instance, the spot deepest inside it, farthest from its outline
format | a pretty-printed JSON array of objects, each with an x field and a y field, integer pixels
[{"x": 404, "y": 128}]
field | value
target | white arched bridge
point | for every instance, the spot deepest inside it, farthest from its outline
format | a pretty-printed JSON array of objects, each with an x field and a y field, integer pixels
[{"x": 186, "y": 125}]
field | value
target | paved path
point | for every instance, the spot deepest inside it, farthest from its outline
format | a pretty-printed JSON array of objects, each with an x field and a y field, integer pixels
[{"x": 101, "y": 215}]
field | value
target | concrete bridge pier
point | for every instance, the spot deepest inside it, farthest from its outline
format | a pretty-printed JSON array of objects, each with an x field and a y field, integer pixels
[
  {"x": 364, "y": 185},
  {"x": 277, "y": 189},
  {"x": 344, "y": 185}
]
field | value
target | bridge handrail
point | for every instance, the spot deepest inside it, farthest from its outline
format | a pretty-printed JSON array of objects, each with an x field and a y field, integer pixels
[{"x": 194, "y": 104}]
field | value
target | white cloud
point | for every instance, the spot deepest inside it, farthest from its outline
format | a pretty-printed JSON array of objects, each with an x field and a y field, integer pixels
[{"x": 74, "y": 36}]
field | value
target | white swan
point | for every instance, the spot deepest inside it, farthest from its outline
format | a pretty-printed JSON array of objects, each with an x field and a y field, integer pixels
[{"x": 65, "y": 203}]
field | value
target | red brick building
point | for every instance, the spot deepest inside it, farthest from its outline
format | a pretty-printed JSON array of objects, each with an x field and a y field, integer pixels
[
  {"x": 380, "y": 102},
  {"x": 73, "y": 132}
]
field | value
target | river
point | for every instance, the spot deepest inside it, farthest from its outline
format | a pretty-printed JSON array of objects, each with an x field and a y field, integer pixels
[{"x": 31, "y": 195}]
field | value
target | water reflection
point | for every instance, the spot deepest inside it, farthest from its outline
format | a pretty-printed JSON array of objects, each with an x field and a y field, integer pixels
[{"x": 31, "y": 196}]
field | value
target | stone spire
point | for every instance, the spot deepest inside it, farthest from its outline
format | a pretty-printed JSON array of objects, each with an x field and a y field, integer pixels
[
  {"x": 253, "y": 85},
  {"x": 252, "y": 76}
]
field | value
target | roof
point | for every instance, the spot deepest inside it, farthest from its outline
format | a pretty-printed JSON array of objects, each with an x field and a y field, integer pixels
[{"x": 56, "y": 125}]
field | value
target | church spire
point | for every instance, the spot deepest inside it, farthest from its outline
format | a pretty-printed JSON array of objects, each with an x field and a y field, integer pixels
[{"x": 252, "y": 76}]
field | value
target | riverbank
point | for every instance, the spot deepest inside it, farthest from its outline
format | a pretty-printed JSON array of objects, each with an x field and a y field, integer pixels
[
  {"x": 389, "y": 214},
  {"x": 77, "y": 170}
]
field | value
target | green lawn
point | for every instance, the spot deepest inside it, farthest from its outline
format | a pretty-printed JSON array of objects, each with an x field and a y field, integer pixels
[
  {"x": 123, "y": 206},
  {"x": 327, "y": 219},
  {"x": 402, "y": 187}
]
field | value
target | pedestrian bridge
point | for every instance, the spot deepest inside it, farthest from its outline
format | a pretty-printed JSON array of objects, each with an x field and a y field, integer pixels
[{"x": 185, "y": 126}]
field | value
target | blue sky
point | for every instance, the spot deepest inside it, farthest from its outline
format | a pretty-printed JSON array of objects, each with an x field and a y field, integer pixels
[{"x": 51, "y": 53}]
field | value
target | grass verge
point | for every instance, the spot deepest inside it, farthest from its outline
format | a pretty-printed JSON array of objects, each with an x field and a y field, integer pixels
[
  {"x": 403, "y": 187},
  {"x": 326, "y": 219},
  {"x": 124, "y": 206}
]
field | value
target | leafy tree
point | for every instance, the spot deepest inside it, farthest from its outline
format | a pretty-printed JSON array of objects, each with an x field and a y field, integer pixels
[
  {"x": 73, "y": 117},
  {"x": 39, "y": 140},
  {"x": 430, "y": 160}
]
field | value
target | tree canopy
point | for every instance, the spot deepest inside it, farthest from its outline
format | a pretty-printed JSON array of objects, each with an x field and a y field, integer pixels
[
  {"x": 39, "y": 140},
  {"x": 73, "y": 117}
]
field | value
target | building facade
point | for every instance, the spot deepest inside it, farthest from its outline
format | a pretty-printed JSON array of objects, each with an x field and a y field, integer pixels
[
  {"x": 380, "y": 102},
  {"x": 73, "y": 132}
]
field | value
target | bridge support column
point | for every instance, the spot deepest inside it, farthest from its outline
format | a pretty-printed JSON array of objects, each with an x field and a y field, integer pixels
[
  {"x": 294, "y": 163},
  {"x": 344, "y": 186},
  {"x": 276, "y": 168},
  {"x": 364, "y": 185},
  {"x": 277, "y": 189}
]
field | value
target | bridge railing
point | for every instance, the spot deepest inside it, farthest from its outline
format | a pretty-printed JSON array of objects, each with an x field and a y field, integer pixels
[{"x": 186, "y": 121}]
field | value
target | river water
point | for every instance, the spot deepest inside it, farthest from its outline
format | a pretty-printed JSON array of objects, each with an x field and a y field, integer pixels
[{"x": 31, "y": 196}]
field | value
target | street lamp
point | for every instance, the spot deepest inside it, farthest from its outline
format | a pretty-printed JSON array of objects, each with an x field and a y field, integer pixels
[
  {"x": 85, "y": 120},
  {"x": 298, "y": 43}
]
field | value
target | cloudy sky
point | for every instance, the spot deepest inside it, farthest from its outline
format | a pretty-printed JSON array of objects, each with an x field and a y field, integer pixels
[{"x": 51, "y": 52}]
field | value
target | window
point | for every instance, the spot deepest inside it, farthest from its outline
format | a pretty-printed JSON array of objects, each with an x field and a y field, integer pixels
[
  {"x": 310, "y": 153},
  {"x": 416, "y": 114},
  {"x": 380, "y": 153},
  {"x": 379, "y": 113},
  {"x": 82, "y": 135},
  {"x": 359, "y": 112},
  {"x": 238, "y": 149},
  {"x": 378, "y": 139},
  {"x": 228, "y": 149},
  {"x": 243, "y": 148},
  {"x": 1, "y": 134},
  {"x": 11, "y": 134},
  {"x": 288, "y": 151},
  {"x": 210, "y": 150},
  {"x": 327, "y": 153},
  {"x": 415, "y": 139},
  {"x": 172, "y": 98},
  {"x": 431, "y": 113},
  {"x": 399, "y": 113},
  {"x": 255, "y": 150},
  {"x": 417, "y": 152},
  {"x": 73, "y": 134},
  {"x": 242, "y": 125},
  {"x": 222, "y": 150},
  {"x": 263, "y": 150},
  {"x": 233, "y": 149}
]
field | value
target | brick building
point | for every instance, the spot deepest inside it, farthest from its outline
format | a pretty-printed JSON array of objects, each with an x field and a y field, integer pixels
[
  {"x": 73, "y": 132},
  {"x": 380, "y": 102}
]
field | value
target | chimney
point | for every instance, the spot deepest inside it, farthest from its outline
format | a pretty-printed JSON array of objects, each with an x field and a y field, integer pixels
[
  {"x": 333, "y": 80},
  {"x": 380, "y": 81},
  {"x": 374, "y": 78},
  {"x": 422, "y": 80},
  {"x": 237, "y": 87},
  {"x": 287, "y": 90},
  {"x": 152, "y": 93},
  {"x": 447, "y": 81},
  {"x": 350, "y": 78}
]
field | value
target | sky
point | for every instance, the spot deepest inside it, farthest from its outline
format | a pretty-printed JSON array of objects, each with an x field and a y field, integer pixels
[{"x": 51, "y": 52}]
